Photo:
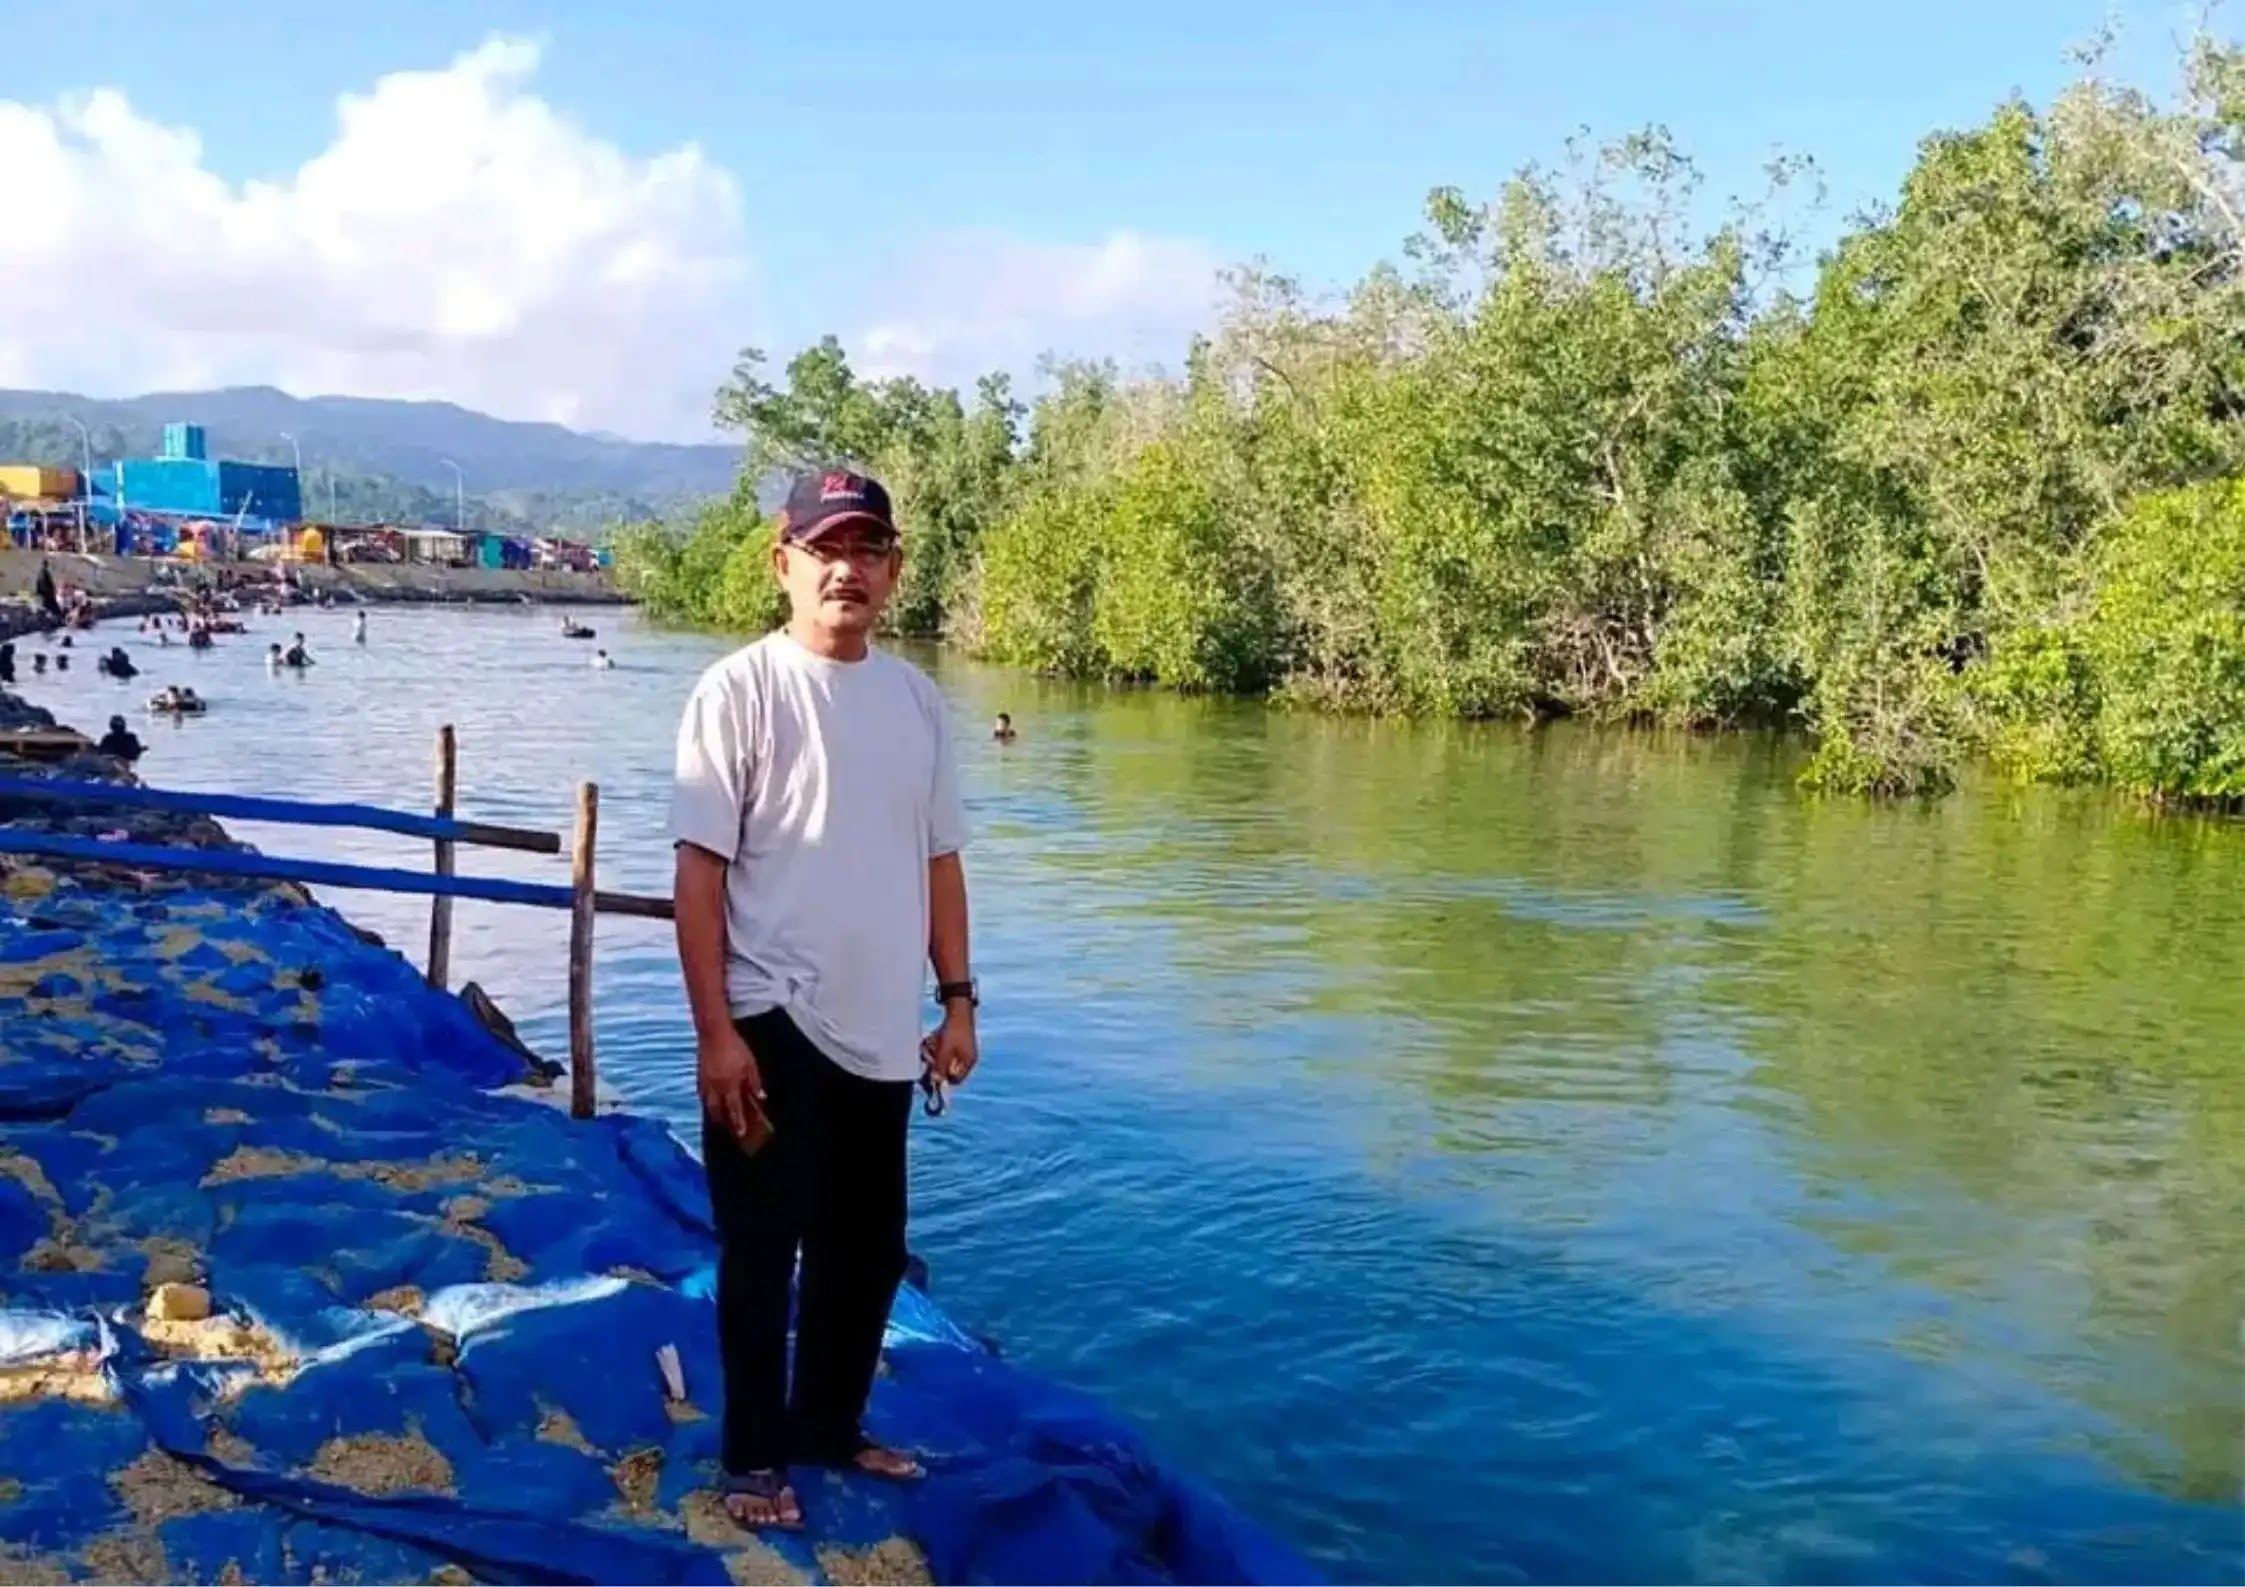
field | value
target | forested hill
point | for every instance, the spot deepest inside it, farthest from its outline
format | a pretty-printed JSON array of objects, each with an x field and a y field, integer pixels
[{"x": 386, "y": 458}]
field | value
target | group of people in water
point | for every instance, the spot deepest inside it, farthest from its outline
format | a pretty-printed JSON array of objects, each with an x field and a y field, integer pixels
[{"x": 205, "y": 612}]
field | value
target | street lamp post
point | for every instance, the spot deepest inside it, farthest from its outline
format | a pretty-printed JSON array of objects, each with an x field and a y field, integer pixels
[
  {"x": 85, "y": 478},
  {"x": 298, "y": 451},
  {"x": 459, "y": 496}
]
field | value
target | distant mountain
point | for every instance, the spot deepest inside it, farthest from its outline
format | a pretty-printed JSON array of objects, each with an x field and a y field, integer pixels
[{"x": 520, "y": 472}]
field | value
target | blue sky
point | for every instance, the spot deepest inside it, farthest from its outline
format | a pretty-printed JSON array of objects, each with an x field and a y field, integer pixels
[{"x": 883, "y": 152}]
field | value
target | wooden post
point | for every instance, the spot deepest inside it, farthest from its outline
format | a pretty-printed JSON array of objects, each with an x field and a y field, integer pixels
[
  {"x": 581, "y": 1076},
  {"x": 440, "y": 907}
]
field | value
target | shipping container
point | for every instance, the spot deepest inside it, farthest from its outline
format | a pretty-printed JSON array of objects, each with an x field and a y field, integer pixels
[
  {"x": 184, "y": 442},
  {"x": 30, "y": 482},
  {"x": 169, "y": 484}
]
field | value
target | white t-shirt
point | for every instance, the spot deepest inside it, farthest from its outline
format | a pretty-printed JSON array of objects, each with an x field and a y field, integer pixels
[{"x": 828, "y": 785}]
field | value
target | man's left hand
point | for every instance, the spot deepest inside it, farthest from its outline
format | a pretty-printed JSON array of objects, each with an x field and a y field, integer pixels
[{"x": 952, "y": 1050}]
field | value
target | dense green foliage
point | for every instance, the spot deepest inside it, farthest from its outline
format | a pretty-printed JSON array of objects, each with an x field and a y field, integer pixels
[{"x": 1575, "y": 458}]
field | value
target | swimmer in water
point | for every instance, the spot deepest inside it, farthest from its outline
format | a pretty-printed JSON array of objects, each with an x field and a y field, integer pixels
[
  {"x": 601, "y": 658},
  {"x": 1002, "y": 729},
  {"x": 273, "y": 662},
  {"x": 358, "y": 627},
  {"x": 120, "y": 741}
]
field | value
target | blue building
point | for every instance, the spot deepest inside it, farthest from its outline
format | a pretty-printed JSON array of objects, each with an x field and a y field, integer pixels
[{"x": 186, "y": 482}]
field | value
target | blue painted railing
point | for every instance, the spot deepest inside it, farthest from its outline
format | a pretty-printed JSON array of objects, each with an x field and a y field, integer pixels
[{"x": 293, "y": 812}]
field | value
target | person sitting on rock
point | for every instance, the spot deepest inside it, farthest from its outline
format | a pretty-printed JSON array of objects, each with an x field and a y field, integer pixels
[{"x": 120, "y": 742}]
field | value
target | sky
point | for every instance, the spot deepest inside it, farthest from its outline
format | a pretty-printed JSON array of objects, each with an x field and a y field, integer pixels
[{"x": 580, "y": 212}]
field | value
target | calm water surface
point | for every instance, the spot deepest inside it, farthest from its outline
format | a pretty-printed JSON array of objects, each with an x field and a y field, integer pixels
[{"x": 1481, "y": 1155}]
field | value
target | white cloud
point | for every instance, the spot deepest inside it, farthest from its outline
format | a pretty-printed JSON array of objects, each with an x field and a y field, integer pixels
[
  {"x": 457, "y": 239},
  {"x": 975, "y": 301},
  {"x": 460, "y": 239}
]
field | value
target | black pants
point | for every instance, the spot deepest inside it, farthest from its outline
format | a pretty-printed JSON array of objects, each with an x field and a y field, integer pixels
[{"x": 829, "y": 1182}]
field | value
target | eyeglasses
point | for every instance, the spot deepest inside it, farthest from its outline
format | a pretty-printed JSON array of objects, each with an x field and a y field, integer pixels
[{"x": 861, "y": 549}]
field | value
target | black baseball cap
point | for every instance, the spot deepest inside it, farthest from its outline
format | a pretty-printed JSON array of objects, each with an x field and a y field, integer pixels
[{"x": 829, "y": 498}]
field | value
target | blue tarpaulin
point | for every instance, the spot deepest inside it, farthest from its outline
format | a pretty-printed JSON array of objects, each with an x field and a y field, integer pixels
[{"x": 438, "y": 1300}]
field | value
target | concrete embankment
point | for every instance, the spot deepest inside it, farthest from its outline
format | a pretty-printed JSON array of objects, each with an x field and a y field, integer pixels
[
  {"x": 113, "y": 576},
  {"x": 303, "y": 1278}
]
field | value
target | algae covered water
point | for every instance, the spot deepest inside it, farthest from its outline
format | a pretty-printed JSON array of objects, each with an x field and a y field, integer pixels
[{"x": 1482, "y": 1155}]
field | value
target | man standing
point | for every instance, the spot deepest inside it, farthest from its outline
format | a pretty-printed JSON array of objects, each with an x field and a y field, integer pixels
[{"x": 818, "y": 827}]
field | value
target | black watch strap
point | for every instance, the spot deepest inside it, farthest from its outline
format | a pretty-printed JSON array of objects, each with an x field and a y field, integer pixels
[{"x": 952, "y": 991}]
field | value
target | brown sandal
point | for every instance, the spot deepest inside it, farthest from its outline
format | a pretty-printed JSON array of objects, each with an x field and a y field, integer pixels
[{"x": 771, "y": 1487}]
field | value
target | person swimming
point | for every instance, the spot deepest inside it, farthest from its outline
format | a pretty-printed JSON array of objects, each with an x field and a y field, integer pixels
[
  {"x": 274, "y": 661},
  {"x": 117, "y": 664},
  {"x": 601, "y": 658},
  {"x": 296, "y": 655},
  {"x": 1002, "y": 729},
  {"x": 120, "y": 742},
  {"x": 39, "y": 661},
  {"x": 7, "y": 662},
  {"x": 358, "y": 627}
]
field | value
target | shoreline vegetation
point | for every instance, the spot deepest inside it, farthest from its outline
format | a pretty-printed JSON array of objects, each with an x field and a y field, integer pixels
[{"x": 1969, "y": 486}]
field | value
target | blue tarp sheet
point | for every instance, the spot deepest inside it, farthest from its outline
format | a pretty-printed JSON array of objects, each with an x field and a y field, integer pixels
[{"x": 439, "y": 1301}]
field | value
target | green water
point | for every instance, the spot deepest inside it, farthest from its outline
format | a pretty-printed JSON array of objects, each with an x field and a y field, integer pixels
[{"x": 1481, "y": 1153}]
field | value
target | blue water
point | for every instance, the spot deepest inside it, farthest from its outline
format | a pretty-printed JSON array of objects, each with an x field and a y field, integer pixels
[{"x": 1481, "y": 1155}]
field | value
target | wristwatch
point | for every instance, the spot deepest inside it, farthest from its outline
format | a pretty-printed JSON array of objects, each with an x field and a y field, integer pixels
[{"x": 952, "y": 991}]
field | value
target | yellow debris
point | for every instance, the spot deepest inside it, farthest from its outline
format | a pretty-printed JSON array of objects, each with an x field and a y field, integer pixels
[
  {"x": 559, "y": 1427},
  {"x": 259, "y": 1162},
  {"x": 229, "y": 1446},
  {"x": 21, "y": 1569},
  {"x": 126, "y": 1556},
  {"x": 170, "y": 1261},
  {"x": 415, "y": 1176},
  {"x": 158, "y": 1486},
  {"x": 183, "y": 1303},
  {"x": 61, "y": 1255},
  {"x": 28, "y": 883},
  {"x": 635, "y": 1477},
  {"x": 73, "y": 1375},
  {"x": 892, "y": 1562},
  {"x": 748, "y": 1558},
  {"x": 222, "y": 1337},
  {"x": 27, "y": 1172},
  {"x": 373, "y": 1463},
  {"x": 404, "y": 1299}
]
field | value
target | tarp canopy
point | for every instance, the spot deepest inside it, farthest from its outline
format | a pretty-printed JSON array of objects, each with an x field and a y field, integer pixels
[{"x": 439, "y": 1300}]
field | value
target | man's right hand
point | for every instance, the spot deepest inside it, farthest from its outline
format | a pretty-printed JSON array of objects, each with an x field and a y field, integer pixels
[{"x": 732, "y": 1089}]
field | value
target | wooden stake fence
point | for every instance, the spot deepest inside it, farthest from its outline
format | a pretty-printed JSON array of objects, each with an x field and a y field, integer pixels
[
  {"x": 440, "y": 905},
  {"x": 444, "y": 830}
]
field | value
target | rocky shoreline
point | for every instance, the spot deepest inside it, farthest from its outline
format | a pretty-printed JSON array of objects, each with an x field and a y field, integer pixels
[{"x": 131, "y": 578}]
